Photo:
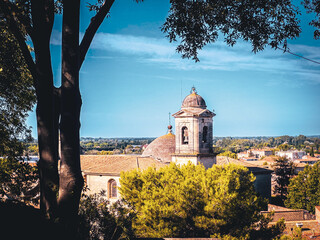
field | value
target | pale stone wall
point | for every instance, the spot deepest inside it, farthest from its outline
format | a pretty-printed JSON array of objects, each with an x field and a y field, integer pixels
[
  {"x": 183, "y": 160},
  {"x": 97, "y": 183},
  {"x": 207, "y": 162},
  {"x": 260, "y": 154},
  {"x": 191, "y": 124},
  {"x": 195, "y": 134},
  {"x": 291, "y": 155}
]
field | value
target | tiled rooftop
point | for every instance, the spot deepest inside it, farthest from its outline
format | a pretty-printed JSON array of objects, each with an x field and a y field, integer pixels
[
  {"x": 161, "y": 148},
  {"x": 221, "y": 160},
  {"x": 114, "y": 164}
]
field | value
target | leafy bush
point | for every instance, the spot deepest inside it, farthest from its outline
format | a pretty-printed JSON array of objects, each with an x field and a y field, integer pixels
[
  {"x": 101, "y": 220},
  {"x": 190, "y": 201},
  {"x": 19, "y": 181}
]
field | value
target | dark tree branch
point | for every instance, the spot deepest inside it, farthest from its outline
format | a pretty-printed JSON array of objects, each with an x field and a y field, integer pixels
[
  {"x": 42, "y": 12},
  {"x": 92, "y": 29},
  {"x": 13, "y": 25}
]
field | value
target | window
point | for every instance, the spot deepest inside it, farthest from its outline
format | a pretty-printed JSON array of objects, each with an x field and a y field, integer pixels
[
  {"x": 204, "y": 134},
  {"x": 185, "y": 135},
  {"x": 112, "y": 188}
]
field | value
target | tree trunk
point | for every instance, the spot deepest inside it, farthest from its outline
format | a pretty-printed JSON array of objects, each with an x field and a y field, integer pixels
[
  {"x": 71, "y": 180},
  {"x": 42, "y": 16}
]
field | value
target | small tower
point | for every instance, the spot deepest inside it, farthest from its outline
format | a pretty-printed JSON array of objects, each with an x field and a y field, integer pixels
[{"x": 194, "y": 132}]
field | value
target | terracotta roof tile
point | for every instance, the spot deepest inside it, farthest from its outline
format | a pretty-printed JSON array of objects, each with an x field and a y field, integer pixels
[
  {"x": 221, "y": 160},
  {"x": 161, "y": 148}
]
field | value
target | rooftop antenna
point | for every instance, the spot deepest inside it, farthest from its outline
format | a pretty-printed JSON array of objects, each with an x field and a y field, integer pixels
[{"x": 181, "y": 90}]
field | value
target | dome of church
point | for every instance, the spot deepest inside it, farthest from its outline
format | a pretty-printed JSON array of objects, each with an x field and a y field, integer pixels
[
  {"x": 194, "y": 100},
  {"x": 161, "y": 148}
]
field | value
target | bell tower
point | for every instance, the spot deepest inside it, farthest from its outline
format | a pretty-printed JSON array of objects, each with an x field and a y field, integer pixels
[{"x": 194, "y": 132}]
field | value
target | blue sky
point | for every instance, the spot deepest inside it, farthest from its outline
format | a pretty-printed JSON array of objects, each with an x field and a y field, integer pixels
[{"x": 132, "y": 78}]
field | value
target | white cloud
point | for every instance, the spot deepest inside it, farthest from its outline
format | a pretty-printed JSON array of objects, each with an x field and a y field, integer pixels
[
  {"x": 133, "y": 44},
  {"x": 217, "y": 56}
]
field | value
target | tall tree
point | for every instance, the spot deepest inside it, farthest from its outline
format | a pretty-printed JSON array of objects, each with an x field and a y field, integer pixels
[
  {"x": 193, "y": 23},
  {"x": 311, "y": 152},
  {"x": 195, "y": 202},
  {"x": 284, "y": 171},
  {"x": 304, "y": 189}
]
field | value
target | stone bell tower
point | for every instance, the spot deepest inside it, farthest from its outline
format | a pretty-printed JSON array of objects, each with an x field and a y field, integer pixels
[{"x": 194, "y": 132}]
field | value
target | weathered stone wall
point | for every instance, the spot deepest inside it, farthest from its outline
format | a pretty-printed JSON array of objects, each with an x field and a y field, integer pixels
[
  {"x": 195, "y": 133},
  {"x": 183, "y": 160},
  {"x": 192, "y": 126},
  {"x": 207, "y": 162},
  {"x": 97, "y": 183}
]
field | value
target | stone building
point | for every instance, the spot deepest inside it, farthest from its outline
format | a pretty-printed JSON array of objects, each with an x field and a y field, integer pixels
[
  {"x": 256, "y": 153},
  {"x": 192, "y": 142},
  {"x": 291, "y": 154},
  {"x": 162, "y": 147},
  {"x": 194, "y": 132},
  {"x": 193, "y": 139},
  {"x": 102, "y": 172},
  {"x": 309, "y": 223}
]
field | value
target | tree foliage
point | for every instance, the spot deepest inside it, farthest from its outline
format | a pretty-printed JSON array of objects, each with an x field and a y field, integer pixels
[
  {"x": 18, "y": 181},
  {"x": 284, "y": 171},
  {"x": 194, "y": 23},
  {"x": 263, "y": 231},
  {"x": 17, "y": 95},
  {"x": 229, "y": 154},
  {"x": 189, "y": 201},
  {"x": 313, "y": 6},
  {"x": 296, "y": 235},
  {"x": 197, "y": 23},
  {"x": 101, "y": 220},
  {"x": 304, "y": 189}
]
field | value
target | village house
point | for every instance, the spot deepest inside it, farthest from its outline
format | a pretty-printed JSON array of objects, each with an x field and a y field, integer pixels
[
  {"x": 254, "y": 154},
  {"x": 309, "y": 223},
  {"x": 291, "y": 154}
]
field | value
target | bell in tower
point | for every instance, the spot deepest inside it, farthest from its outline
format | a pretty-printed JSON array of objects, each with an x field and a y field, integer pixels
[{"x": 194, "y": 132}]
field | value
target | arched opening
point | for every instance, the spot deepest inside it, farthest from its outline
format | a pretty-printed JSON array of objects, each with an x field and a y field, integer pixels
[
  {"x": 185, "y": 135},
  {"x": 204, "y": 134},
  {"x": 112, "y": 188}
]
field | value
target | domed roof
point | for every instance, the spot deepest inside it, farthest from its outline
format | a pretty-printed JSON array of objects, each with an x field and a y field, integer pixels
[
  {"x": 161, "y": 148},
  {"x": 194, "y": 100}
]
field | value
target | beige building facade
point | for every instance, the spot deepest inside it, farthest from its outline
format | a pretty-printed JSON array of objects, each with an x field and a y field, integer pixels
[
  {"x": 194, "y": 132},
  {"x": 102, "y": 172}
]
